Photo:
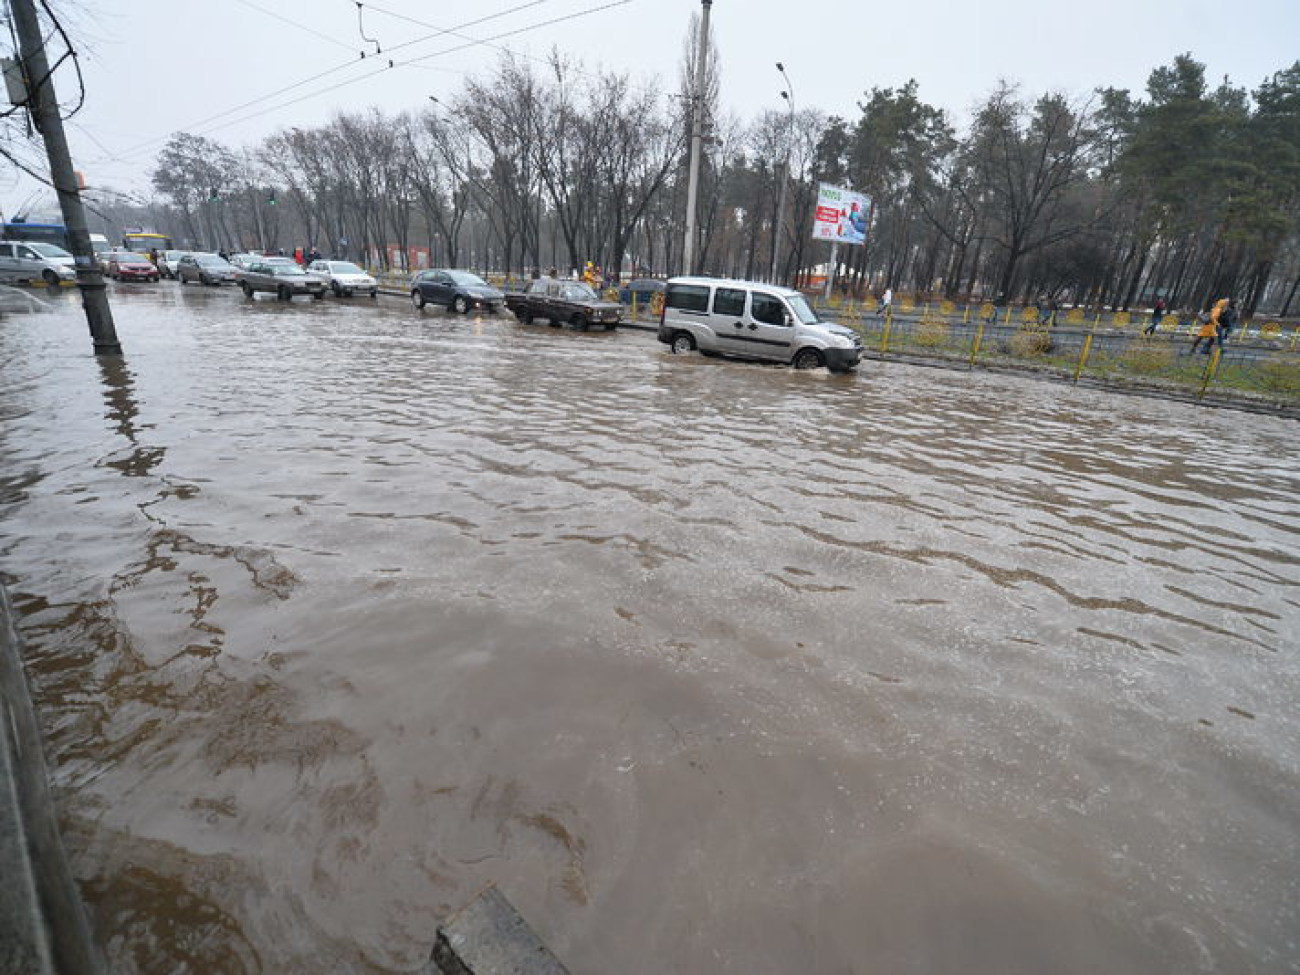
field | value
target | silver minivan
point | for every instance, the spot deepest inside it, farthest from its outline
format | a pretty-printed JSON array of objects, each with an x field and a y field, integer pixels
[
  {"x": 753, "y": 321},
  {"x": 23, "y": 260}
]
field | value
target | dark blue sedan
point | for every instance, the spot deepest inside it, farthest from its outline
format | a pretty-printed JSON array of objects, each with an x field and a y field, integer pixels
[{"x": 458, "y": 291}]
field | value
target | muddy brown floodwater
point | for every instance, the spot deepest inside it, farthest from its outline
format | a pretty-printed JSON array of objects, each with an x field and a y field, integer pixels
[{"x": 336, "y": 612}]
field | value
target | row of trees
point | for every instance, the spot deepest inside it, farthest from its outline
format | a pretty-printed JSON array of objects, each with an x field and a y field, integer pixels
[{"x": 1188, "y": 193}]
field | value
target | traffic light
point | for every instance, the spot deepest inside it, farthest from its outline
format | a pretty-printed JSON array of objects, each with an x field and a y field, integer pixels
[
  {"x": 213, "y": 195},
  {"x": 270, "y": 200}
]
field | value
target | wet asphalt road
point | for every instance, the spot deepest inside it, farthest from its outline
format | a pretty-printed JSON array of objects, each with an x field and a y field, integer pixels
[{"x": 337, "y": 611}]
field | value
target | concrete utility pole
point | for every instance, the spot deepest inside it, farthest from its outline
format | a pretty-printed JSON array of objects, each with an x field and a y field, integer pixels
[
  {"x": 44, "y": 106},
  {"x": 697, "y": 139}
]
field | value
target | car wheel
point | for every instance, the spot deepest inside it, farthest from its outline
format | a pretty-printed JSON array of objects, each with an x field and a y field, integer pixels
[
  {"x": 51, "y": 277},
  {"x": 807, "y": 359},
  {"x": 318, "y": 295},
  {"x": 244, "y": 286},
  {"x": 579, "y": 322},
  {"x": 526, "y": 317},
  {"x": 285, "y": 293},
  {"x": 338, "y": 292},
  {"x": 204, "y": 280},
  {"x": 374, "y": 292},
  {"x": 417, "y": 299},
  {"x": 460, "y": 305},
  {"x": 683, "y": 343}
]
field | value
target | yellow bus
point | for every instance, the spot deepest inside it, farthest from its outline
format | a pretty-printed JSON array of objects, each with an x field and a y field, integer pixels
[{"x": 142, "y": 242}]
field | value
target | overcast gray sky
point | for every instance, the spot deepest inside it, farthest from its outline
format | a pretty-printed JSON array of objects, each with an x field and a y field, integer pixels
[{"x": 239, "y": 70}]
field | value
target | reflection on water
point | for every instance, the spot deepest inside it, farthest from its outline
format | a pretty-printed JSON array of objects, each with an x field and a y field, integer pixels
[{"x": 338, "y": 612}]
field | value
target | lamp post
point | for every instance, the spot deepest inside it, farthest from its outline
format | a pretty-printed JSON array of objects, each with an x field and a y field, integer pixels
[
  {"x": 779, "y": 223},
  {"x": 697, "y": 140}
]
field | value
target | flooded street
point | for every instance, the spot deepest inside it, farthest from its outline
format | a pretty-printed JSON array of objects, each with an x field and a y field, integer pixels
[{"x": 336, "y": 612}]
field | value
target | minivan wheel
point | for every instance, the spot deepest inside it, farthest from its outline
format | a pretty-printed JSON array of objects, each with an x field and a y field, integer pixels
[
  {"x": 683, "y": 343},
  {"x": 807, "y": 359}
]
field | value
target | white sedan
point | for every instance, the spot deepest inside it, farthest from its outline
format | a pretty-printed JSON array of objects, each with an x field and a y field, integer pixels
[{"x": 344, "y": 277}]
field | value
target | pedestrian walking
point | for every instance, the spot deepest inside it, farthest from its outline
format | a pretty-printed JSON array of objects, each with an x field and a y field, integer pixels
[
  {"x": 886, "y": 302},
  {"x": 998, "y": 302},
  {"x": 1157, "y": 313},
  {"x": 1209, "y": 330},
  {"x": 1046, "y": 306},
  {"x": 1227, "y": 319}
]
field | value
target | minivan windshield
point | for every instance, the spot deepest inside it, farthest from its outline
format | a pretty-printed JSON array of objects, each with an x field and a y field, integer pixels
[
  {"x": 802, "y": 310},
  {"x": 47, "y": 250}
]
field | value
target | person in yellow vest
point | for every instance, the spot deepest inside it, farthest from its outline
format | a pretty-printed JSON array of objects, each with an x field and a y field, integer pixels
[{"x": 1210, "y": 326}]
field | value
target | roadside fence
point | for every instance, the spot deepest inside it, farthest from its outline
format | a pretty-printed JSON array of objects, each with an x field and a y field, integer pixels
[{"x": 1259, "y": 364}]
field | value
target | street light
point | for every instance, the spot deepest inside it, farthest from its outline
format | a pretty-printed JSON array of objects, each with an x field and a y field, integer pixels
[
  {"x": 697, "y": 140},
  {"x": 788, "y": 95}
]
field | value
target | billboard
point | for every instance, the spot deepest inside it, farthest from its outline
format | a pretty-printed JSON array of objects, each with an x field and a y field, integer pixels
[{"x": 842, "y": 215}]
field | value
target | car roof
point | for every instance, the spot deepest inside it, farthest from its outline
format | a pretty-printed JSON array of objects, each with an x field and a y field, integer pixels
[{"x": 734, "y": 283}]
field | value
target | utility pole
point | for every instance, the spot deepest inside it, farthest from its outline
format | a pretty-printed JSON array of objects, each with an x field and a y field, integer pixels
[
  {"x": 44, "y": 107},
  {"x": 697, "y": 139}
]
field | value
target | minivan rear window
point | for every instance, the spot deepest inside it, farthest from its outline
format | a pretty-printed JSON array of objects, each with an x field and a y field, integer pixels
[{"x": 688, "y": 297}]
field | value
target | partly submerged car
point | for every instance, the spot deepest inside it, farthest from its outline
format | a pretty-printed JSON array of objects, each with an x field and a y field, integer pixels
[
  {"x": 345, "y": 278},
  {"x": 282, "y": 280},
  {"x": 458, "y": 291},
  {"x": 205, "y": 269},
  {"x": 129, "y": 266},
  {"x": 565, "y": 303}
]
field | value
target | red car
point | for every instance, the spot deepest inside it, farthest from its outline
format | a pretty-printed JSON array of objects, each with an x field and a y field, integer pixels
[{"x": 124, "y": 266}]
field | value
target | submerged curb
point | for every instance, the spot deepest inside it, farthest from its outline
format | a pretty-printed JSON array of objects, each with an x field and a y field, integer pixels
[{"x": 43, "y": 926}]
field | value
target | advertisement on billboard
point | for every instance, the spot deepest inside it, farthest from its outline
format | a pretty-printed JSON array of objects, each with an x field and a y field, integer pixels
[{"x": 842, "y": 215}]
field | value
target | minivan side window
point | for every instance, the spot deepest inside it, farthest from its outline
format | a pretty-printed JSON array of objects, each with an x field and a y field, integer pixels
[
  {"x": 768, "y": 310},
  {"x": 729, "y": 301},
  {"x": 688, "y": 297}
]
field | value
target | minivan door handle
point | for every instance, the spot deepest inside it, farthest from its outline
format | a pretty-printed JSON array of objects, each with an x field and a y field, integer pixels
[
  {"x": 738, "y": 324},
  {"x": 753, "y": 325}
]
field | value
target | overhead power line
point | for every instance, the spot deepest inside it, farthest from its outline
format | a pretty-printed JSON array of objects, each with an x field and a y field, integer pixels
[
  {"x": 415, "y": 62},
  {"x": 204, "y": 126}
]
